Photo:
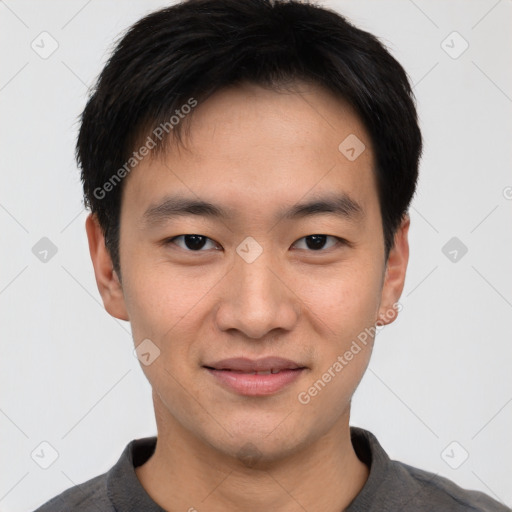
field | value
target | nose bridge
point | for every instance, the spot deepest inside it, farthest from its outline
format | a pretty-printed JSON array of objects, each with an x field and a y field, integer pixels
[
  {"x": 255, "y": 300},
  {"x": 257, "y": 283}
]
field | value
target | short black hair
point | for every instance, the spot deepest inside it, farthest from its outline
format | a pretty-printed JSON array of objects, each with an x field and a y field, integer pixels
[{"x": 178, "y": 56}]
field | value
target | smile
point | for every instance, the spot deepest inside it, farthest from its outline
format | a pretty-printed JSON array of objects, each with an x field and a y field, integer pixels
[{"x": 261, "y": 377}]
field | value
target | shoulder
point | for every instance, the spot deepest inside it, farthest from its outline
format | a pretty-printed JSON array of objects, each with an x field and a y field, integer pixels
[
  {"x": 112, "y": 490},
  {"x": 394, "y": 485},
  {"x": 88, "y": 496},
  {"x": 425, "y": 488}
]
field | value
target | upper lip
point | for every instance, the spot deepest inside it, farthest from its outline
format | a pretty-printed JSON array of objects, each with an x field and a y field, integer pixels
[{"x": 244, "y": 364}]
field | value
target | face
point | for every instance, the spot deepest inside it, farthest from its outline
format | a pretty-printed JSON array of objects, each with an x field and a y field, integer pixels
[{"x": 285, "y": 271}]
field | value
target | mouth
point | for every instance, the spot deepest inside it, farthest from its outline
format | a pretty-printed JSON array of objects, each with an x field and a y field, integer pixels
[
  {"x": 272, "y": 371},
  {"x": 260, "y": 377}
]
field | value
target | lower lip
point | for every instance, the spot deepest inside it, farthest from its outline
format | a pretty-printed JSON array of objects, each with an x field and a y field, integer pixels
[{"x": 256, "y": 385}]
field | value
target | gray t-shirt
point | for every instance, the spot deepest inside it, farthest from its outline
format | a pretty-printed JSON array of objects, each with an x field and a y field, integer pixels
[{"x": 391, "y": 486}]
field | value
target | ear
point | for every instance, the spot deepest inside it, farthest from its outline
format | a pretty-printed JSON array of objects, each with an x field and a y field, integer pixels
[
  {"x": 107, "y": 280},
  {"x": 394, "y": 278}
]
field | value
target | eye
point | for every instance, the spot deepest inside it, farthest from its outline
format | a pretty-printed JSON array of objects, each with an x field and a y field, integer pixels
[
  {"x": 193, "y": 243},
  {"x": 200, "y": 243},
  {"x": 318, "y": 242}
]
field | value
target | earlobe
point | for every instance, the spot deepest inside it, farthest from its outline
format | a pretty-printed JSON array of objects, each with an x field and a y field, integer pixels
[
  {"x": 394, "y": 279},
  {"x": 107, "y": 280}
]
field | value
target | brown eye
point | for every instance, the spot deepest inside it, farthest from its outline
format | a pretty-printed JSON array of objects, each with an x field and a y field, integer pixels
[
  {"x": 194, "y": 243},
  {"x": 317, "y": 242}
]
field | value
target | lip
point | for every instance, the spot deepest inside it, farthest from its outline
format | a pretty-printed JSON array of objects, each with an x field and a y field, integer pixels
[
  {"x": 237, "y": 374},
  {"x": 244, "y": 364}
]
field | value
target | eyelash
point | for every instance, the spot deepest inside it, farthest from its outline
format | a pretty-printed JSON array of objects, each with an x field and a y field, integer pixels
[{"x": 338, "y": 242}]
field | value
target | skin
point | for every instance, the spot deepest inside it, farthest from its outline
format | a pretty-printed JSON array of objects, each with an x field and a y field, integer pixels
[{"x": 254, "y": 151}]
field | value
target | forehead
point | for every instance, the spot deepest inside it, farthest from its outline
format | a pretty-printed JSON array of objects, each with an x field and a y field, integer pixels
[{"x": 253, "y": 149}]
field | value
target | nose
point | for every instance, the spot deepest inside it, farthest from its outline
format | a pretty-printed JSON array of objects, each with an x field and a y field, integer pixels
[{"x": 257, "y": 298}]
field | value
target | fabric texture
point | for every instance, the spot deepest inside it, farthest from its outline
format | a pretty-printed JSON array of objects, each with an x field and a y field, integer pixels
[{"x": 391, "y": 486}]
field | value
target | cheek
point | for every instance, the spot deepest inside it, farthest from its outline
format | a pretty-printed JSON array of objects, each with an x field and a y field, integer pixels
[
  {"x": 160, "y": 301},
  {"x": 345, "y": 308},
  {"x": 345, "y": 299}
]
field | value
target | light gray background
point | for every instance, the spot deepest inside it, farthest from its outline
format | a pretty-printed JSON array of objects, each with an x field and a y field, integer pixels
[{"x": 440, "y": 373}]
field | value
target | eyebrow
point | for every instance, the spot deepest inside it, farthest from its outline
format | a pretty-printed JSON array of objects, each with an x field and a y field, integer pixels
[{"x": 340, "y": 205}]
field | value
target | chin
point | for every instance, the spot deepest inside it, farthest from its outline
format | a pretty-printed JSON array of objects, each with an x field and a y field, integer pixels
[{"x": 259, "y": 445}]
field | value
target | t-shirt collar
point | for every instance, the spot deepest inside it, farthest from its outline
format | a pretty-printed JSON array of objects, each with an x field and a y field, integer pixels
[{"x": 127, "y": 494}]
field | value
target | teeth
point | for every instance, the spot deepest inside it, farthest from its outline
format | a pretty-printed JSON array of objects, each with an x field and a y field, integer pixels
[{"x": 265, "y": 372}]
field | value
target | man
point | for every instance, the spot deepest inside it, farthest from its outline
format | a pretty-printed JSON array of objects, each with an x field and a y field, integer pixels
[{"x": 249, "y": 165}]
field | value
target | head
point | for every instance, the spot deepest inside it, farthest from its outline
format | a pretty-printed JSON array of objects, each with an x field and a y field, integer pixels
[{"x": 255, "y": 126}]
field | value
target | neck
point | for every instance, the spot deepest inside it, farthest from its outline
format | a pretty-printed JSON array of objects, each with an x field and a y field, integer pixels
[{"x": 186, "y": 473}]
